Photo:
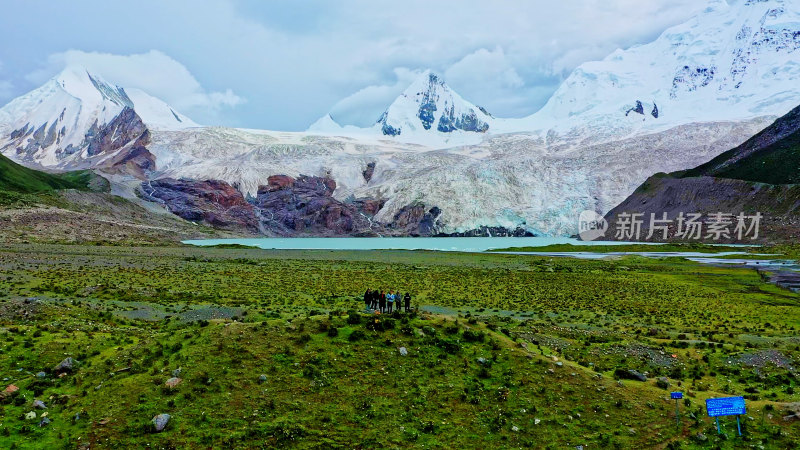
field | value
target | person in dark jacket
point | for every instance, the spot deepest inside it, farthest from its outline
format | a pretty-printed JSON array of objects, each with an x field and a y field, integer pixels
[
  {"x": 407, "y": 301},
  {"x": 375, "y": 297},
  {"x": 382, "y": 302},
  {"x": 367, "y": 298}
]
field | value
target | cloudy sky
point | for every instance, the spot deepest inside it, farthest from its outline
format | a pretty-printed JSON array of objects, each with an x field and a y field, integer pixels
[{"x": 282, "y": 64}]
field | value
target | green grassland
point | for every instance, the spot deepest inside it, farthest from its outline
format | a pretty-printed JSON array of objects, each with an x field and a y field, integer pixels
[
  {"x": 16, "y": 178},
  {"x": 504, "y": 350}
]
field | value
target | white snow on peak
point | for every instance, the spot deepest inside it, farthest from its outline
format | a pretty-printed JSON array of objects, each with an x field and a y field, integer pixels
[
  {"x": 155, "y": 113},
  {"x": 429, "y": 104},
  {"x": 736, "y": 60},
  {"x": 325, "y": 124},
  {"x": 699, "y": 89},
  {"x": 427, "y": 113}
]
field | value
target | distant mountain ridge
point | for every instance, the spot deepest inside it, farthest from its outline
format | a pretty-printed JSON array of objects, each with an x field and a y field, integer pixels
[{"x": 772, "y": 156}]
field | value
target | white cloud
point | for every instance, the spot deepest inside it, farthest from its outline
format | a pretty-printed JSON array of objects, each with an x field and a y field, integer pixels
[
  {"x": 365, "y": 106},
  {"x": 6, "y": 89},
  {"x": 153, "y": 72},
  {"x": 487, "y": 78}
]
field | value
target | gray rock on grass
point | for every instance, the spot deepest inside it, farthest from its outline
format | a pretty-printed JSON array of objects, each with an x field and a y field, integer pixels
[{"x": 160, "y": 421}]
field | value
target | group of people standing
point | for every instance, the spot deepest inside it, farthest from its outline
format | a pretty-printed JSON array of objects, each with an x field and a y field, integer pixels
[{"x": 385, "y": 301}]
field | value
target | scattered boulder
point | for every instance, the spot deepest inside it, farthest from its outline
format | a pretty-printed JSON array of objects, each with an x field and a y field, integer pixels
[
  {"x": 40, "y": 375},
  {"x": 482, "y": 361},
  {"x": 662, "y": 382},
  {"x": 403, "y": 351},
  {"x": 173, "y": 382},
  {"x": 44, "y": 422},
  {"x": 560, "y": 364},
  {"x": 176, "y": 372},
  {"x": 630, "y": 374},
  {"x": 160, "y": 421},
  {"x": 8, "y": 392},
  {"x": 67, "y": 365},
  {"x": 30, "y": 416},
  {"x": 39, "y": 404},
  {"x": 262, "y": 378},
  {"x": 700, "y": 437}
]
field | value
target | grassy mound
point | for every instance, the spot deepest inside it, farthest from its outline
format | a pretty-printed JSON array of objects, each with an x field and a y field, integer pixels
[{"x": 16, "y": 178}]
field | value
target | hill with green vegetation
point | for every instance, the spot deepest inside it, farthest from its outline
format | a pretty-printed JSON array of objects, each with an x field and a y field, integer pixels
[
  {"x": 772, "y": 156},
  {"x": 77, "y": 207},
  {"x": 17, "y": 178}
]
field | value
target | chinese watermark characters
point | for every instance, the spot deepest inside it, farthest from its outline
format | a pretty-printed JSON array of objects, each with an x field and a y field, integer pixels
[
  {"x": 684, "y": 226},
  {"x": 689, "y": 226}
]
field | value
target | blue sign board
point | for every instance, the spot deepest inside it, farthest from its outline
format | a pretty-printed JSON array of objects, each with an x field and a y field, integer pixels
[
  {"x": 727, "y": 406},
  {"x": 676, "y": 395}
]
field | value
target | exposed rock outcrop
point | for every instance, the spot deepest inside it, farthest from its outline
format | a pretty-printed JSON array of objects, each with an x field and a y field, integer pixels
[
  {"x": 302, "y": 206},
  {"x": 213, "y": 202},
  {"x": 306, "y": 205},
  {"x": 638, "y": 109},
  {"x": 416, "y": 220},
  {"x": 369, "y": 171},
  {"x": 126, "y": 127}
]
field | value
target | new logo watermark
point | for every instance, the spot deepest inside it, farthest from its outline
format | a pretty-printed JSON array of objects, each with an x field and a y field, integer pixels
[{"x": 591, "y": 226}]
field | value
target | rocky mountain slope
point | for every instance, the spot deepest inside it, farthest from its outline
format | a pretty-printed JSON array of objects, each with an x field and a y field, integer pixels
[
  {"x": 701, "y": 88},
  {"x": 758, "y": 177}
]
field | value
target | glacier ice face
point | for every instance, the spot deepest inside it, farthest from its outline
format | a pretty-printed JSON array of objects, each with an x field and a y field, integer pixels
[{"x": 511, "y": 180}]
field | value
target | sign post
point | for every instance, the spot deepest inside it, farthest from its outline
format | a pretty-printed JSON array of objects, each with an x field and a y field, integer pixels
[
  {"x": 677, "y": 396},
  {"x": 726, "y": 406}
]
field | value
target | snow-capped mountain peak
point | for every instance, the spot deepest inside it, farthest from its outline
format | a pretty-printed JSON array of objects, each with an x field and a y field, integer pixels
[
  {"x": 61, "y": 118},
  {"x": 428, "y": 104},
  {"x": 735, "y": 60},
  {"x": 91, "y": 89}
]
